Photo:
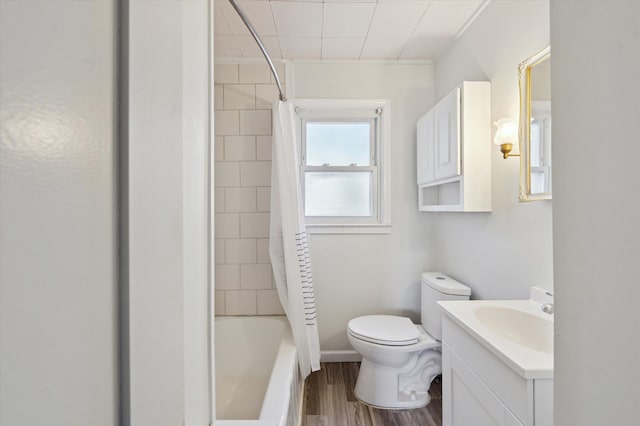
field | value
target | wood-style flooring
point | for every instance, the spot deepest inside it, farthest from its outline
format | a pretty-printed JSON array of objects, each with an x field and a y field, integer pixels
[{"x": 329, "y": 401}]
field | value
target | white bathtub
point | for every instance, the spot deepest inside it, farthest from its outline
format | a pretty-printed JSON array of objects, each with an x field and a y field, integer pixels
[{"x": 257, "y": 376}]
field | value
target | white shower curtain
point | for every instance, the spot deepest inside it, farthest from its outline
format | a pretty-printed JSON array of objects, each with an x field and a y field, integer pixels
[{"x": 288, "y": 245}]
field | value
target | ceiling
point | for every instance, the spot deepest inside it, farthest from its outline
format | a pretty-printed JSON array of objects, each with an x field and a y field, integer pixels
[{"x": 342, "y": 29}]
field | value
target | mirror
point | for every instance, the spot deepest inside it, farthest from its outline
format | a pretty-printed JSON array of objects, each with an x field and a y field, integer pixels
[{"x": 535, "y": 126}]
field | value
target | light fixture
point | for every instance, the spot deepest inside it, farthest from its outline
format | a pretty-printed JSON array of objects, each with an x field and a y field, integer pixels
[{"x": 506, "y": 136}]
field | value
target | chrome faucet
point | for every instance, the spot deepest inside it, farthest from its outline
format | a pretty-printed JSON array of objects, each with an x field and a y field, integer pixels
[{"x": 547, "y": 308}]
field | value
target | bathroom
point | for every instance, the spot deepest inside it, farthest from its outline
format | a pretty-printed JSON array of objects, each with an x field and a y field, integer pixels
[{"x": 144, "y": 357}]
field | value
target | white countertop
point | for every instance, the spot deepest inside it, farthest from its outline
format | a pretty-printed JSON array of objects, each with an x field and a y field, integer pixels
[{"x": 527, "y": 362}]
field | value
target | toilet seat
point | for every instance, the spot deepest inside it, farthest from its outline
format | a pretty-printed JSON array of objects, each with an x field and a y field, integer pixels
[{"x": 387, "y": 330}]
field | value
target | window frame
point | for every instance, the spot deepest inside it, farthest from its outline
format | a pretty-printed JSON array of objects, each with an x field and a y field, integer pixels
[{"x": 376, "y": 112}]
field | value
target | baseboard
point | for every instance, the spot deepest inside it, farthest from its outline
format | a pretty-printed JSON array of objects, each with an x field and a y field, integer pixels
[{"x": 340, "y": 356}]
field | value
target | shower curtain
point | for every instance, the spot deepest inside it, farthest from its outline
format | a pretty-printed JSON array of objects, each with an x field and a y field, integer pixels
[{"x": 288, "y": 245}]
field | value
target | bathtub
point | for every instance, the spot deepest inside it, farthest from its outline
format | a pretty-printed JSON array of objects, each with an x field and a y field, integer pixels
[{"x": 257, "y": 376}]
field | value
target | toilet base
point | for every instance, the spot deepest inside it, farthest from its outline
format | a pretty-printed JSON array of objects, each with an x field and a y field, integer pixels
[{"x": 398, "y": 388}]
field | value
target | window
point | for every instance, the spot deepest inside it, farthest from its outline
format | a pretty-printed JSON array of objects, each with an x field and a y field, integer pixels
[
  {"x": 344, "y": 165},
  {"x": 540, "y": 147}
]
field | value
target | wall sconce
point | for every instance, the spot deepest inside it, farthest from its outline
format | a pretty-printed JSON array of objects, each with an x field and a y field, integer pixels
[{"x": 506, "y": 136}]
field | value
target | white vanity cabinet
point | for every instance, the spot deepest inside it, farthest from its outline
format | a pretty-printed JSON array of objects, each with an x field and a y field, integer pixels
[
  {"x": 453, "y": 151},
  {"x": 478, "y": 389}
]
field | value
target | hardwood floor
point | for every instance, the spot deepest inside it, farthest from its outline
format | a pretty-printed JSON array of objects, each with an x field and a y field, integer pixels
[{"x": 329, "y": 401}]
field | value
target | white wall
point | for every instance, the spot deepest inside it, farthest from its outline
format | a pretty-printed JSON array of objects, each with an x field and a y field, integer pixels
[
  {"x": 503, "y": 253},
  {"x": 58, "y": 291},
  {"x": 596, "y": 211},
  {"x": 373, "y": 274}
]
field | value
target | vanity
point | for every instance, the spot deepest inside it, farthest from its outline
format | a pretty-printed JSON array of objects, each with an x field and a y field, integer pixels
[{"x": 497, "y": 362}]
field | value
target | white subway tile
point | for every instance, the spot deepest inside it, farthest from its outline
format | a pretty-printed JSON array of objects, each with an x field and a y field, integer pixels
[
  {"x": 219, "y": 309},
  {"x": 218, "y": 153},
  {"x": 255, "y": 122},
  {"x": 226, "y": 123},
  {"x": 241, "y": 302},
  {"x": 263, "y": 250},
  {"x": 255, "y": 277},
  {"x": 218, "y": 252},
  {"x": 218, "y": 100},
  {"x": 254, "y": 73},
  {"x": 227, "y": 277},
  {"x": 269, "y": 303},
  {"x": 239, "y": 96},
  {"x": 226, "y": 174},
  {"x": 280, "y": 69},
  {"x": 254, "y": 225},
  {"x": 240, "y": 148},
  {"x": 218, "y": 200},
  {"x": 240, "y": 251},
  {"x": 266, "y": 95},
  {"x": 255, "y": 174},
  {"x": 225, "y": 73},
  {"x": 227, "y": 225},
  {"x": 264, "y": 199},
  {"x": 263, "y": 148},
  {"x": 240, "y": 199}
]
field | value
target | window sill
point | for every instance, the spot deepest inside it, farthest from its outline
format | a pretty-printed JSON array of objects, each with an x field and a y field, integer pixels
[{"x": 349, "y": 229}]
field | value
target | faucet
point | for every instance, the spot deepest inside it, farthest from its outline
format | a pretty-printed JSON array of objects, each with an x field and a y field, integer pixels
[{"x": 547, "y": 308}]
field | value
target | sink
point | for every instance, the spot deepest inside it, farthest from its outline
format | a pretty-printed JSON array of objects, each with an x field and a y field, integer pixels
[
  {"x": 521, "y": 327},
  {"x": 516, "y": 331}
]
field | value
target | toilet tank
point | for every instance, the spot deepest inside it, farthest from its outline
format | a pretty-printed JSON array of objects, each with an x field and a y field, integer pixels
[{"x": 437, "y": 286}]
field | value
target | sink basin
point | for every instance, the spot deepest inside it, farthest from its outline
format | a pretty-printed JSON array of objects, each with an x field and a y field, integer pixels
[
  {"x": 515, "y": 331},
  {"x": 521, "y": 327}
]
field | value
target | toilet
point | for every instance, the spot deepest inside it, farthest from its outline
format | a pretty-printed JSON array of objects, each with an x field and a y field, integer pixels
[{"x": 400, "y": 358}]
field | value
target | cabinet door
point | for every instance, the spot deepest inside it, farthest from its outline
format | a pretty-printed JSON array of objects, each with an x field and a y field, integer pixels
[
  {"x": 425, "y": 149},
  {"x": 467, "y": 401},
  {"x": 447, "y": 136}
]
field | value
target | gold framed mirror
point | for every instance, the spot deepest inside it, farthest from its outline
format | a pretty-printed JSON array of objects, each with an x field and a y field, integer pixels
[{"x": 534, "y": 76}]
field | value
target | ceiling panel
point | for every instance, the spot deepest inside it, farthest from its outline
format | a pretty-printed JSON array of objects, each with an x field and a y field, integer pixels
[
  {"x": 424, "y": 47},
  {"x": 347, "y": 19},
  {"x": 301, "y": 48},
  {"x": 349, "y": 1},
  {"x": 342, "y": 48},
  {"x": 259, "y": 13},
  {"x": 397, "y": 19},
  {"x": 382, "y": 48},
  {"x": 298, "y": 19},
  {"x": 447, "y": 17},
  {"x": 234, "y": 22},
  {"x": 250, "y": 49},
  {"x": 219, "y": 21},
  {"x": 225, "y": 46},
  {"x": 437, "y": 28},
  {"x": 343, "y": 29}
]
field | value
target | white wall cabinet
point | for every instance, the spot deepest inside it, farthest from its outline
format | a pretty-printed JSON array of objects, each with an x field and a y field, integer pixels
[
  {"x": 480, "y": 390},
  {"x": 447, "y": 135},
  {"x": 426, "y": 147},
  {"x": 454, "y": 149}
]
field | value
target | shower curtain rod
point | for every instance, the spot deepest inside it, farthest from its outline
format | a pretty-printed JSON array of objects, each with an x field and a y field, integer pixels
[{"x": 260, "y": 45}]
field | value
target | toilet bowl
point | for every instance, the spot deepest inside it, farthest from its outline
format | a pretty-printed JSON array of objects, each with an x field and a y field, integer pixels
[{"x": 400, "y": 359}]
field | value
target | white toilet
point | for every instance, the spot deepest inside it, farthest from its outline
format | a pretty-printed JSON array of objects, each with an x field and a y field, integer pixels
[{"x": 399, "y": 358}]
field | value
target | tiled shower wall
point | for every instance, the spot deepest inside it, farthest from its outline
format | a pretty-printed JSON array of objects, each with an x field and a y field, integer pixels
[{"x": 244, "y": 95}]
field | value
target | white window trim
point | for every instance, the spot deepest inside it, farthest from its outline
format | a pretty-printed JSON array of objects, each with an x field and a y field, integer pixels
[{"x": 382, "y": 197}]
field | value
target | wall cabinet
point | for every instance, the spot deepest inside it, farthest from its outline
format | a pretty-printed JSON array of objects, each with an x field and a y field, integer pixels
[
  {"x": 454, "y": 151},
  {"x": 479, "y": 389}
]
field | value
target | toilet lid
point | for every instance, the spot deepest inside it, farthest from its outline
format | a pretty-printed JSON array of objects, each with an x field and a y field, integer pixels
[{"x": 384, "y": 329}]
